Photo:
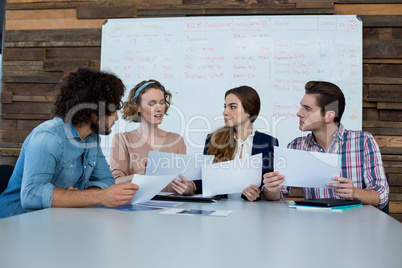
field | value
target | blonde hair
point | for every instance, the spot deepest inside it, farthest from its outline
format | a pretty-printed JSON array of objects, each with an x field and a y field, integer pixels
[
  {"x": 222, "y": 144},
  {"x": 130, "y": 107}
]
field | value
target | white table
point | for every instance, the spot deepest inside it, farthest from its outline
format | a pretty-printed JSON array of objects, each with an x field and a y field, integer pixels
[{"x": 258, "y": 234}]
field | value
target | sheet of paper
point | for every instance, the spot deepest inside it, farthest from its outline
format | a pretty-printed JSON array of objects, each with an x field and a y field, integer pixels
[
  {"x": 232, "y": 176},
  {"x": 133, "y": 207},
  {"x": 181, "y": 211},
  {"x": 160, "y": 163},
  {"x": 149, "y": 186},
  {"x": 306, "y": 169},
  {"x": 164, "y": 204}
]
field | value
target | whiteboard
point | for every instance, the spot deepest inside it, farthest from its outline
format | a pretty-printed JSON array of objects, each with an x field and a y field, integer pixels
[{"x": 199, "y": 58}]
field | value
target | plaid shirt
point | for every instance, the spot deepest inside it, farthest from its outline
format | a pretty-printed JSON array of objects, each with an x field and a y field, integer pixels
[{"x": 361, "y": 162}]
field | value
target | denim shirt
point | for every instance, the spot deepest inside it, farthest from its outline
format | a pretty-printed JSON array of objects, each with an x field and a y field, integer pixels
[{"x": 53, "y": 155}]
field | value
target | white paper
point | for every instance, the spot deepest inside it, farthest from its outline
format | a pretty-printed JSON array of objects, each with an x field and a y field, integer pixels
[
  {"x": 232, "y": 176},
  {"x": 306, "y": 169},
  {"x": 160, "y": 163},
  {"x": 149, "y": 186},
  {"x": 159, "y": 203}
]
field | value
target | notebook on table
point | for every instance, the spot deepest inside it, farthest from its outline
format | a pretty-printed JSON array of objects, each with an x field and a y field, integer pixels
[{"x": 327, "y": 202}]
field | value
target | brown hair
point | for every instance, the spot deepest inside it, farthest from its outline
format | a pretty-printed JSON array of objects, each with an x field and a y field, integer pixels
[
  {"x": 94, "y": 89},
  {"x": 130, "y": 107},
  {"x": 222, "y": 143},
  {"x": 329, "y": 98}
]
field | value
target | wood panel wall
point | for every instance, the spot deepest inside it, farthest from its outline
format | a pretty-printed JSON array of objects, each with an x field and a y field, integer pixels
[{"x": 44, "y": 40}]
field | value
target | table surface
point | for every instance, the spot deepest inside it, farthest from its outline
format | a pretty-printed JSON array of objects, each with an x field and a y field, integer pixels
[{"x": 256, "y": 233}]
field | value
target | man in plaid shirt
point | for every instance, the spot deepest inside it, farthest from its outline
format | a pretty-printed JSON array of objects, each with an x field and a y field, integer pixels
[{"x": 362, "y": 174}]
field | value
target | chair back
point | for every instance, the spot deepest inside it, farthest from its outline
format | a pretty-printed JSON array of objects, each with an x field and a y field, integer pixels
[
  {"x": 386, "y": 208},
  {"x": 5, "y": 174}
]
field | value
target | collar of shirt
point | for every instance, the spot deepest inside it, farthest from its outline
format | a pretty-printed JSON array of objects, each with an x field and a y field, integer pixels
[
  {"x": 72, "y": 133},
  {"x": 337, "y": 137},
  {"x": 248, "y": 140}
]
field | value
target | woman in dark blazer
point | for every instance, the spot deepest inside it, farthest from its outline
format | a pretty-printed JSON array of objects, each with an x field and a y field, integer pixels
[{"x": 238, "y": 138}]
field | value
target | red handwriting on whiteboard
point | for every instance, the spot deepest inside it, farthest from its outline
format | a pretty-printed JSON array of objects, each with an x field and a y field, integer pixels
[
  {"x": 207, "y": 49},
  {"x": 212, "y": 59},
  {"x": 281, "y": 23},
  {"x": 218, "y": 25},
  {"x": 167, "y": 67},
  {"x": 208, "y": 67},
  {"x": 190, "y": 49},
  {"x": 281, "y": 88},
  {"x": 129, "y": 59},
  {"x": 281, "y": 80},
  {"x": 297, "y": 88},
  {"x": 147, "y": 76},
  {"x": 168, "y": 76},
  {"x": 353, "y": 27},
  {"x": 327, "y": 23},
  {"x": 194, "y": 25},
  {"x": 196, "y": 38},
  {"x": 216, "y": 75},
  {"x": 239, "y": 57},
  {"x": 195, "y": 76}
]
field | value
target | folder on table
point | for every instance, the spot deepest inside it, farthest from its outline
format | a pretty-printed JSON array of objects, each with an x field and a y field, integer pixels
[
  {"x": 328, "y": 202},
  {"x": 186, "y": 198}
]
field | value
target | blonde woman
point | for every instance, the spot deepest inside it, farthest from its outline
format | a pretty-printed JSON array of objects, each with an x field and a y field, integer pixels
[{"x": 147, "y": 104}]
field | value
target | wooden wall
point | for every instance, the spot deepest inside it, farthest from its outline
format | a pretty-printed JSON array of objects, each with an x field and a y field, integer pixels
[{"x": 46, "y": 39}]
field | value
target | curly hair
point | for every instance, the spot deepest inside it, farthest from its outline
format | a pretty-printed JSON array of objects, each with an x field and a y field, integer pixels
[
  {"x": 86, "y": 92},
  {"x": 130, "y": 107}
]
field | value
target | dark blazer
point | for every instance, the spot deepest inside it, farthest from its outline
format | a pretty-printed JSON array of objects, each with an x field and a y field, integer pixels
[{"x": 262, "y": 143}]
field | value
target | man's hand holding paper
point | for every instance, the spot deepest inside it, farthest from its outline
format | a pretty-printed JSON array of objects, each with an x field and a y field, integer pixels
[{"x": 303, "y": 169}]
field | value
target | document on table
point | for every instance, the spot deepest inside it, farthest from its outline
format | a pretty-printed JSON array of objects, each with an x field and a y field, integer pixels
[
  {"x": 149, "y": 186},
  {"x": 133, "y": 207},
  {"x": 232, "y": 176},
  {"x": 163, "y": 204},
  {"x": 306, "y": 169},
  {"x": 160, "y": 163}
]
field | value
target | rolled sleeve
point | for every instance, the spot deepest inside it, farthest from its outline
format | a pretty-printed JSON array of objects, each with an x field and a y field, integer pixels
[
  {"x": 99, "y": 184},
  {"x": 382, "y": 193},
  {"x": 47, "y": 195},
  {"x": 375, "y": 177},
  {"x": 39, "y": 167},
  {"x": 284, "y": 192}
]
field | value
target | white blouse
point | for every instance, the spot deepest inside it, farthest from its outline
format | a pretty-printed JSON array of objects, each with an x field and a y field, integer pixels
[{"x": 246, "y": 144}]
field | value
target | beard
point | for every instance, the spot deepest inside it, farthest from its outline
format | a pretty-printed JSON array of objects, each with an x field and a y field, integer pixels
[{"x": 100, "y": 127}]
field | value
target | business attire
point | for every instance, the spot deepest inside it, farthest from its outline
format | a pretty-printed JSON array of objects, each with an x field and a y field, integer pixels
[
  {"x": 361, "y": 162},
  {"x": 261, "y": 143},
  {"x": 129, "y": 152},
  {"x": 53, "y": 155}
]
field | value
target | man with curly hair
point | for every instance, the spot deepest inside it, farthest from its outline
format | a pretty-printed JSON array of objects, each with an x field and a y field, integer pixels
[{"x": 61, "y": 163}]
